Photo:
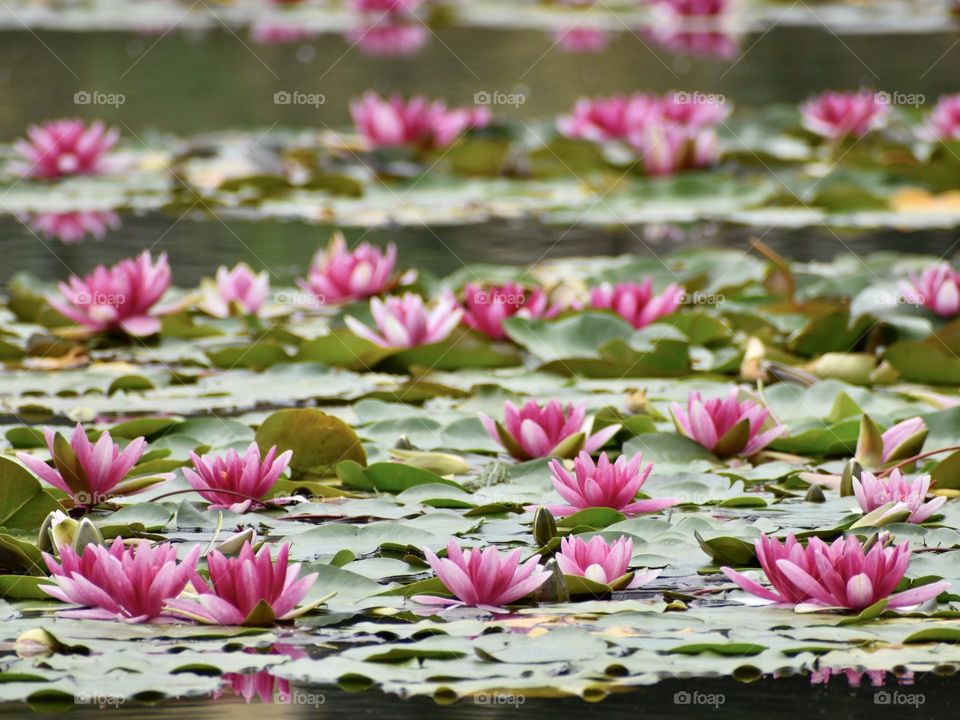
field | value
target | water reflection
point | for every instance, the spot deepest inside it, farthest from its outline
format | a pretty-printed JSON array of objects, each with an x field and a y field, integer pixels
[
  {"x": 72, "y": 227},
  {"x": 262, "y": 685},
  {"x": 855, "y": 676}
]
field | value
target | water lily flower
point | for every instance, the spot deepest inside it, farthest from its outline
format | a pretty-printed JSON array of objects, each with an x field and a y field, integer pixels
[
  {"x": 726, "y": 426},
  {"x": 487, "y": 308},
  {"x": 338, "y": 275},
  {"x": 246, "y": 474},
  {"x": 536, "y": 431},
  {"x": 72, "y": 227},
  {"x": 840, "y": 575},
  {"x": 602, "y": 563},
  {"x": 384, "y": 6},
  {"x": 943, "y": 122},
  {"x": 604, "y": 484},
  {"x": 131, "y": 584},
  {"x": 937, "y": 289},
  {"x": 388, "y": 38},
  {"x": 417, "y": 122},
  {"x": 837, "y": 115},
  {"x": 91, "y": 473},
  {"x": 249, "y": 589},
  {"x": 121, "y": 297},
  {"x": 636, "y": 303},
  {"x": 904, "y": 440},
  {"x": 694, "y": 8},
  {"x": 238, "y": 288},
  {"x": 605, "y": 119},
  {"x": 873, "y": 492},
  {"x": 406, "y": 322},
  {"x": 63, "y": 148},
  {"x": 483, "y": 579}
]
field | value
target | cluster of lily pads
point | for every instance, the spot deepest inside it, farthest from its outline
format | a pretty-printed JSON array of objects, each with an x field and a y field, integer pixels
[
  {"x": 855, "y": 155},
  {"x": 489, "y": 466}
]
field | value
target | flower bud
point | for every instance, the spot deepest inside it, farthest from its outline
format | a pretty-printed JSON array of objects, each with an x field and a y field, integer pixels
[{"x": 544, "y": 526}]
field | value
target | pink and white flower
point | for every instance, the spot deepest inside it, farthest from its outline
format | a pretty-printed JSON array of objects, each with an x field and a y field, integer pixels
[
  {"x": 338, "y": 275},
  {"x": 237, "y": 289},
  {"x": 600, "y": 562},
  {"x": 726, "y": 426},
  {"x": 943, "y": 122},
  {"x": 837, "y": 115},
  {"x": 407, "y": 321},
  {"x": 221, "y": 480},
  {"x": 636, "y": 303},
  {"x": 487, "y": 307},
  {"x": 873, "y": 492},
  {"x": 72, "y": 227},
  {"x": 937, "y": 289},
  {"x": 63, "y": 148},
  {"x": 121, "y": 297},
  {"x": 418, "y": 122}
]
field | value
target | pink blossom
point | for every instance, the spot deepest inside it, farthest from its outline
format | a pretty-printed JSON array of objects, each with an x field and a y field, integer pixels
[
  {"x": 483, "y": 579},
  {"x": 90, "y": 473},
  {"x": 904, "y": 440},
  {"x": 487, "y": 308},
  {"x": 605, "y": 119},
  {"x": 873, "y": 492},
  {"x": 72, "y": 227},
  {"x": 248, "y": 589},
  {"x": 417, "y": 122},
  {"x": 237, "y": 288},
  {"x": 389, "y": 38},
  {"x": 384, "y": 6},
  {"x": 705, "y": 43},
  {"x": 841, "y": 575},
  {"x": 62, "y": 148},
  {"x": 121, "y": 297},
  {"x": 716, "y": 424},
  {"x": 338, "y": 275},
  {"x": 937, "y": 289},
  {"x": 132, "y": 584},
  {"x": 943, "y": 122},
  {"x": 407, "y": 322},
  {"x": 536, "y": 431},
  {"x": 694, "y": 8},
  {"x": 246, "y": 475},
  {"x": 275, "y": 33},
  {"x": 636, "y": 303},
  {"x": 837, "y": 115},
  {"x": 604, "y": 484},
  {"x": 600, "y": 562}
]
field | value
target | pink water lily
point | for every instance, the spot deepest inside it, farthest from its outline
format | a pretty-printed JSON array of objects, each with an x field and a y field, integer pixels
[
  {"x": 239, "y": 288},
  {"x": 601, "y": 562},
  {"x": 943, "y": 122},
  {"x": 131, "y": 584},
  {"x": 838, "y": 115},
  {"x": 904, "y": 440},
  {"x": 384, "y": 6},
  {"x": 339, "y": 275},
  {"x": 407, "y": 321},
  {"x": 249, "y": 589},
  {"x": 840, "y": 575},
  {"x": 606, "y": 119},
  {"x": 122, "y": 297},
  {"x": 245, "y": 474},
  {"x": 62, "y": 148},
  {"x": 726, "y": 426},
  {"x": 536, "y": 431},
  {"x": 636, "y": 303},
  {"x": 417, "y": 122},
  {"x": 604, "y": 484},
  {"x": 483, "y": 579},
  {"x": 72, "y": 227},
  {"x": 873, "y": 492},
  {"x": 937, "y": 289},
  {"x": 488, "y": 307},
  {"x": 91, "y": 473}
]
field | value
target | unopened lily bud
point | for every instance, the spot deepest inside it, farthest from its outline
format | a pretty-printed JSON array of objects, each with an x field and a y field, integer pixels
[
  {"x": 815, "y": 495},
  {"x": 544, "y": 526},
  {"x": 37, "y": 642},
  {"x": 851, "y": 470}
]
